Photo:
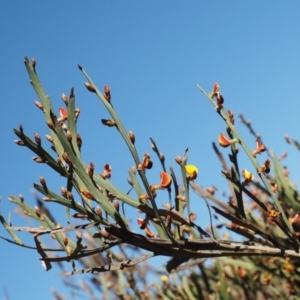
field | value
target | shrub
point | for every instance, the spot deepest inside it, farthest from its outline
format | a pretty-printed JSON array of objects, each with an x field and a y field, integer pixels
[{"x": 259, "y": 261}]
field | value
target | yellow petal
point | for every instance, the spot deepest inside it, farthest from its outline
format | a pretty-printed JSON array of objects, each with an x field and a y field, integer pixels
[{"x": 191, "y": 170}]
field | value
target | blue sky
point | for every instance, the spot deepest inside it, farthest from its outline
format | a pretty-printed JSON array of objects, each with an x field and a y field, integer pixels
[{"x": 152, "y": 55}]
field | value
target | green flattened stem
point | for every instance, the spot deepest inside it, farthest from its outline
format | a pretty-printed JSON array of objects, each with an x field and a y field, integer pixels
[
  {"x": 254, "y": 162},
  {"x": 72, "y": 122},
  {"x": 186, "y": 183},
  {"x": 130, "y": 145},
  {"x": 46, "y": 102},
  {"x": 155, "y": 149},
  {"x": 10, "y": 231},
  {"x": 80, "y": 171},
  {"x": 42, "y": 153},
  {"x": 284, "y": 184}
]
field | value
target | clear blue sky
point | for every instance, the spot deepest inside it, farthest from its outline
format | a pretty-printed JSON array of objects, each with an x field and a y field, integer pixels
[{"x": 152, "y": 54}]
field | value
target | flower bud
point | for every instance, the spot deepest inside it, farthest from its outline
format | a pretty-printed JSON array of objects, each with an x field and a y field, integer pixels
[
  {"x": 69, "y": 136},
  {"x": 90, "y": 87},
  {"x": 107, "y": 95},
  {"x": 21, "y": 197},
  {"x": 117, "y": 205},
  {"x": 19, "y": 142},
  {"x": 37, "y": 139},
  {"x": 49, "y": 138},
  {"x": 178, "y": 159},
  {"x": 64, "y": 192},
  {"x": 70, "y": 196},
  {"x": 99, "y": 211},
  {"x": 77, "y": 113},
  {"x": 78, "y": 140},
  {"x": 39, "y": 105},
  {"x": 42, "y": 181},
  {"x": 109, "y": 123},
  {"x": 50, "y": 125},
  {"x": 33, "y": 64},
  {"x": 37, "y": 211},
  {"x": 38, "y": 160},
  {"x": 131, "y": 137},
  {"x": 64, "y": 98}
]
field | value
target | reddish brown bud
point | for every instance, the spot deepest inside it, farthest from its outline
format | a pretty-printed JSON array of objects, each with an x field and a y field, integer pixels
[
  {"x": 90, "y": 87},
  {"x": 109, "y": 123},
  {"x": 37, "y": 211},
  {"x": 193, "y": 216},
  {"x": 77, "y": 113},
  {"x": 64, "y": 192},
  {"x": 69, "y": 136},
  {"x": 90, "y": 169},
  {"x": 79, "y": 216},
  {"x": 19, "y": 142},
  {"x": 78, "y": 140},
  {"x": 49, "y": 138},
  {"x": 64, "y": 98},
  {"x": 131, "y": 137},
  {"x": 21, "y": 128},
  {"x": 66, "y": 158},
  {"x": 142, "y": 223},
  {"x": 38, "y": 159},
  {"x": 107, "y": 95},
  {"x": 87, "y": 194},
  {"x": 33, "y": 64},
  {"x": 133, "y": 169},
  {"x": 42, "y": 181},
  {"x": 106, "y": 171},
  {"x": 70, "y": 196},
  {"x": 181, "y": 198},
  {"x": 64, "y": 127},
  {"x": 231, "y": 116},
  {"x": 216, "y": 88},
  {"x": 39, "y": 105},
  {"x": 99, "y": 211},
  {"x": 65, "y": 240},
  {"x": 287, "y": 139},
  {"x": 37, "y": 139},
  {"x": 50, "y": 125},
  {"x": 117, "y": 205},
  {"x": 178, "y": 159},
  {"x": 21, "y": 197}
]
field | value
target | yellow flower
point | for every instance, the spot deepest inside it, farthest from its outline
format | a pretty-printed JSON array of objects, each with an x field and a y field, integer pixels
[{"x": 192, "y": 171}]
